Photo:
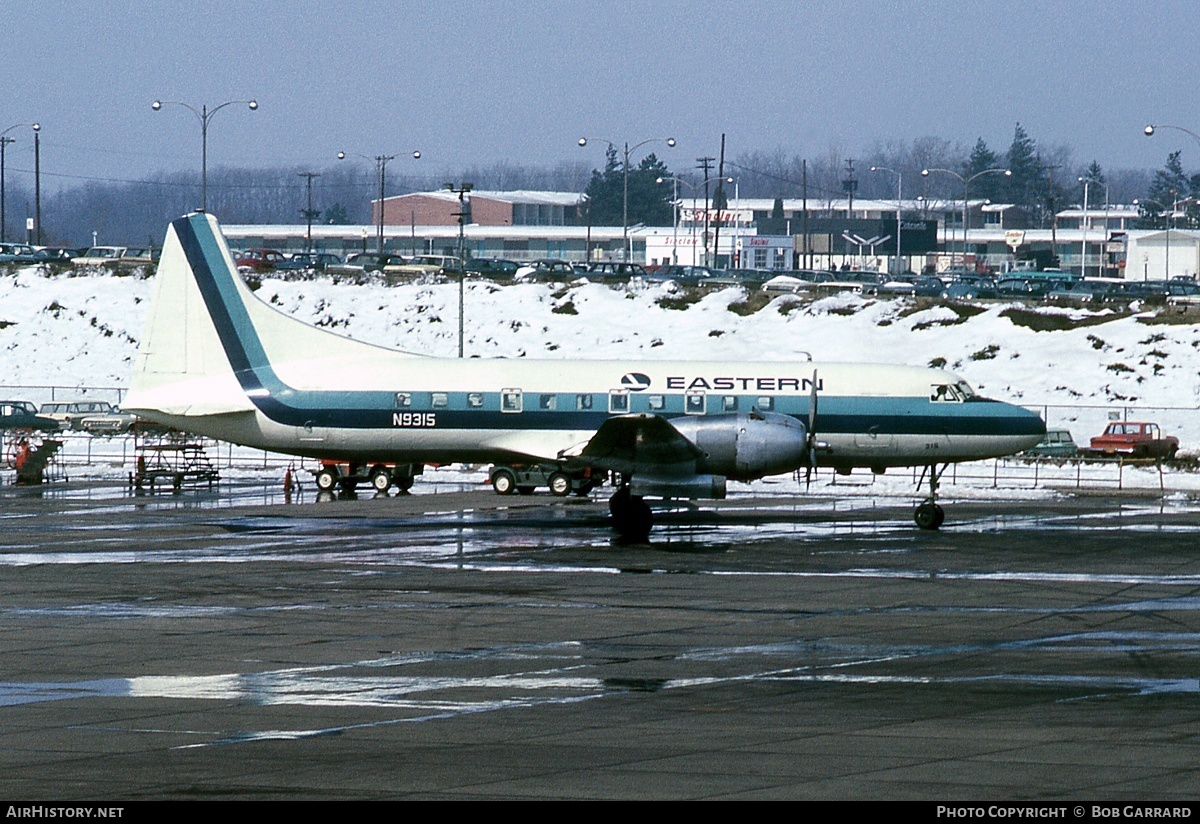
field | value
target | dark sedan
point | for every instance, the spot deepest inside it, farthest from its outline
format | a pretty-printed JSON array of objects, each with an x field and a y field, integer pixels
[{"x": 24, "y": 415}]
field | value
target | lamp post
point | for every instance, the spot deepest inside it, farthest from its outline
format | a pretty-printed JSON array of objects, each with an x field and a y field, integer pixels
[
  {"x": 676, "y": 181},
  {"x": 204, "y": 114},
  {"x": 899, "y": 206},
  {"x": 461, "y": 191},
  {"x": 1152, "y": 128},
  {"x": 381, "y": 162},
  {"x": 1087, "y": 181},
  {"x": 309, "y": 213},
  {"x": 4, "y": 141},
  {"x": 670, "y": 141},
  {"x": 37, "y": 179},
  {"x": 966, "y": 182}
]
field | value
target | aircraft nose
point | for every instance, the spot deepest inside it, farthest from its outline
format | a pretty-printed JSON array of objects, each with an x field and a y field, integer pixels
[{"x": 1025, "y": 426}]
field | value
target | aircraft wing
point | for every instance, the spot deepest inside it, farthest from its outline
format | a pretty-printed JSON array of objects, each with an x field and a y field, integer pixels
[{"x": 638, "y": 441}]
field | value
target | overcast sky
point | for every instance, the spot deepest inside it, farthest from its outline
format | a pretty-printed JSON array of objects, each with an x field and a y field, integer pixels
[{"x": 477, "y": 82}]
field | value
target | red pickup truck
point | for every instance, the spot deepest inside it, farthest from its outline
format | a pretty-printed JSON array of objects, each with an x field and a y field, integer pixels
[{"x": 1137, "y": 439}]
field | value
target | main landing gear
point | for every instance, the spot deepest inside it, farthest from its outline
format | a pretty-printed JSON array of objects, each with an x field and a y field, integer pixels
[
  {"x": 631, "y": 514},
  {"x": 929, "y": 514}
]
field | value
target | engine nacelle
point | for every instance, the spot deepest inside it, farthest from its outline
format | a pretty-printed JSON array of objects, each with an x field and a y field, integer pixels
[{"x": 747, "y": 446}]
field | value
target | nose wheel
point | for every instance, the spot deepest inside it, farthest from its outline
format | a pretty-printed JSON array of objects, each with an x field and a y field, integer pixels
[{"x": 929, "y": 514}]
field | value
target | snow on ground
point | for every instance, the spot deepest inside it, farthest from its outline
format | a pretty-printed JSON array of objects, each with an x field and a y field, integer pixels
[{"x": 83, "y": 331}]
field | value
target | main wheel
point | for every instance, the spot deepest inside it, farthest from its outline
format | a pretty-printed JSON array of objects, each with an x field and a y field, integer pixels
[
  {"x": 929, "y": 516},
  {"x": 504, "y": 482},
  {"x": 633, "y": 518},
  {"x": 381, "y": 480},
  {"x": 326, "y": 480},
  {"x": 403, "y": 482},
  {"x": 560, "y": 485}
]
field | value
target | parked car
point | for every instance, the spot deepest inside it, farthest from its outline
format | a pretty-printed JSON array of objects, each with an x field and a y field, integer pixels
[
  {"x": 546, "y": 269},
  {"x": 1023, "y": 288},
  {"x": 1084, "y": 291},
  {"x": 683, "y": 275},
  {"x": 363, "y": 263},
  {"x": 970, "y": 289},
  {"x": 492, "y": 267},
  {"x": 259, "y": 261},
  {"x": 99, "y": 256},
  {"x": 424, "y": 265},
  {"x": 24, "y": 415},
  {"x": 928, "y": 286},
  {"x": 1057, "y": 443},
  {"x": 1183, "y": 293},
  {"x": 57, "y": 256},
  {"x": 17, "y": 253},
  {"x": 613, "y": 272},
  {"x": 1138, "y": 439},
  {"x": 109, "y": 422},
  {"x": 308, "y": 262},
  {"x": 70, "y": 414}
]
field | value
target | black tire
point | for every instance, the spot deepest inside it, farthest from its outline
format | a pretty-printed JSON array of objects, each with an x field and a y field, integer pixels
[
  {"x": 403, "y": 482},
  {"x": 381, "y": 480},
  {"x": 504, "y": 482},
  {"x": 326, "y": 480},
  {"x": 929, "y": 516},
  {"x": 560, "y": 485},
  {"x": 633, "y": 519}
]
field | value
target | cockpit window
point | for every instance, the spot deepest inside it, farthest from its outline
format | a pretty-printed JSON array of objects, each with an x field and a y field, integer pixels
[
  {"x": 945, "y": 393},
  {"x": 965, "y": 390}
]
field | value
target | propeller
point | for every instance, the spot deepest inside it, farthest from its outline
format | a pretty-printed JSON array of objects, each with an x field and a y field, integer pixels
[{"x": 812, "y": 434}]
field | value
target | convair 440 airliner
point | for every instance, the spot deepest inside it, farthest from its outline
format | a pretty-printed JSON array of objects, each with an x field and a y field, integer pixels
[{"x": 217, "y": 361}]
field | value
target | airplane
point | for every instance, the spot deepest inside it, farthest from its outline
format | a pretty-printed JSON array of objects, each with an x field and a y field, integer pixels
[{"x": 219, "y": 362}]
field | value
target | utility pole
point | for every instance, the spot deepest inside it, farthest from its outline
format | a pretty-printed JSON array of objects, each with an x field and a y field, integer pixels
[
  {"x": 850, "y": 185},
  {"x": 1053, "y": 212},
  {"x": 4, "y": 141},
  {"x": 804, "y": 207},
  {"x": 309, "y": 214},
  {"x": 463, "y": 214},
  {"x": 705, "y": 164},
  {"x": 37, "y": 178},
  {"x": 720, "y": 204}
]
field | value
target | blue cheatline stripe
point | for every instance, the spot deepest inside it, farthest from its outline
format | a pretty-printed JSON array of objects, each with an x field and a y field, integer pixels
[{"x": 374, "y": 409}]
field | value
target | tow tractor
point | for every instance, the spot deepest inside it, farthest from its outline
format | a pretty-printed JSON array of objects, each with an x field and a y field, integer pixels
[
  {"x": 510, "y": 478},
  {"x": 381, "y": 475}
]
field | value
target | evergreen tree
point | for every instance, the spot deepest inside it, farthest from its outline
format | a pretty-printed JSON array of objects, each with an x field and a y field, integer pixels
[
  {"x": 1169, "y": 185},
  {"x": 649, "y": 201},
  {"x": 1022, "y": 187},
  {"x": 987, "y": 187}
]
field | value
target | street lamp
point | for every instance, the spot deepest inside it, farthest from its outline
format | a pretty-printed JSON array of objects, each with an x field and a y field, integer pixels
[
  {"x": 899, "y": 206},
  {"x": 1152, "y": 128},
  {"x": 4, "y": 141},
  {"x": 1087, "y": 181},
  {"x": 381, "y": 162},
  {"x": 966, "y": 182},
  {"x": 203, "y": 115},
  {"x": 670, "y": 141},
  {"x": 676, "y": 205}
]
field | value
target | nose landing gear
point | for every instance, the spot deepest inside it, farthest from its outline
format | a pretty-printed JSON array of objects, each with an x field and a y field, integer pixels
[{"x": 929, "y": 514}]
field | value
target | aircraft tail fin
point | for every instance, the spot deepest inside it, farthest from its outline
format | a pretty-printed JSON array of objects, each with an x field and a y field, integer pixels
[{"x": 209, "y": 342}]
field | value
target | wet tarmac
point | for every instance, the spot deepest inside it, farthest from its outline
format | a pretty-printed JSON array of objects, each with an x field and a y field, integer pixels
[{"x": 454, "y": 644}]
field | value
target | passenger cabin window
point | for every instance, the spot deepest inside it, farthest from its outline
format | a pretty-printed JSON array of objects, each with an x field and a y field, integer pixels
[
  {"x": 729, "y": 403},
  {"x": 439, "y": 400},
  {"x": 510, "y": 400},
  {"x": 548, "y": 402},
  {"x": 765, "y": 403},
  {"x": 475, "y": 400},
  {"x": 657, "y": 403},
  {"x": 618, "y": 401},
  {"x": 403, "y": 400},
  {"x": 694, "y": 402},
  {"x": 583, "y": 401}
]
